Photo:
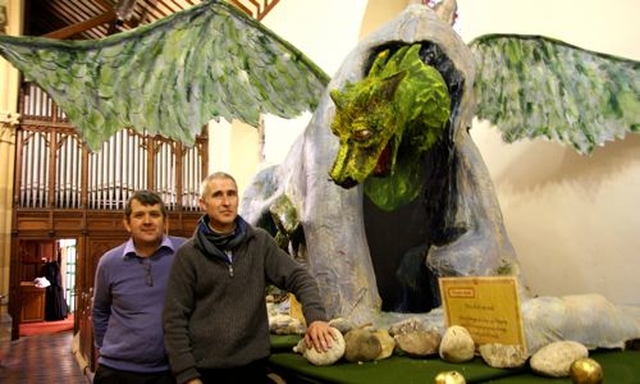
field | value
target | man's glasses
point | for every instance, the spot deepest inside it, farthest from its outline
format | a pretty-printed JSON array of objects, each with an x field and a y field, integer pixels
[{"x": 146, "y": 264}]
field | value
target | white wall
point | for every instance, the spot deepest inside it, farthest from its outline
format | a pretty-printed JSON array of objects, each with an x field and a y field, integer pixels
[
  {"x": 324, "y": 30},
  {"x": 234, "y": 148},
  {"x": 324, "y": 39},
  {"x": 574, "y": 220}
]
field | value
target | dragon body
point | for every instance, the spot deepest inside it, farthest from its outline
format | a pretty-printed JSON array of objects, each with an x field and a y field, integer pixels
[{"x": 455, "y": 227}]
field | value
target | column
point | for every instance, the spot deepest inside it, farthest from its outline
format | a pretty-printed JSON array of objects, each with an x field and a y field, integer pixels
[{"x": 11, "y": 15}]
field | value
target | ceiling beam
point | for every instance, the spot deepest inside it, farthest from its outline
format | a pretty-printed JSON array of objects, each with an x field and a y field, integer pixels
[
  {"x": 106, "y": 3},
  {"x": 74, "y": 29}
]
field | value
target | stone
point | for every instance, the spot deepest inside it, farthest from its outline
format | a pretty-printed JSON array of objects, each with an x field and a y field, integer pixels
[
  {"x": 419, "y": 343},
  {"x": 285, "y": 325},
  {"x": 503, "y": 355},
  {"x": 361, "y": 345},
  {"x": 387, "y": 343},
  {"x": 457, "y": 345},
  {"x": 333, "y": 354},
  {"x": 411, "y": 324},
  {"x": 555, "y": 359}
]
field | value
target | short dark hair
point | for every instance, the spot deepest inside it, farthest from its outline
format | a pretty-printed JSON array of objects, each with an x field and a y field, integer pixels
[{"x": 145, "y": 197}]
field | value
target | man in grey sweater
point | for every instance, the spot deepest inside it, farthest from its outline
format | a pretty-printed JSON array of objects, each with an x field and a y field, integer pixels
[{"x": 215, "y": 317}]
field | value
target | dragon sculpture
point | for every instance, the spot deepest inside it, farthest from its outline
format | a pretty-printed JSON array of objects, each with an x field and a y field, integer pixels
[{"x": 386, "y": 178}]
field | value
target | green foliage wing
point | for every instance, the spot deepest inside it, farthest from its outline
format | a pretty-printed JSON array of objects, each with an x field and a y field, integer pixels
[
  {"x": 532, "y": 86},
  {"x": 173, "y": 76}
]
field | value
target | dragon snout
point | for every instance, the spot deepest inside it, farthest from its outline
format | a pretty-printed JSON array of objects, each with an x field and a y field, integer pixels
[
  {"x": 349, "y": 168},
  {"x": 346, "y": 183},
  {"x": 341, "y": 178}
]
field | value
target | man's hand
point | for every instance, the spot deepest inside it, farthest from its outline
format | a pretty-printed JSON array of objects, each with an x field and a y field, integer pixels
[{"x": 319, "y": 336}]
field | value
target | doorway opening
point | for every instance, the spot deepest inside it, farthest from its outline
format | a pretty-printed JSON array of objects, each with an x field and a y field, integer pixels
[
  {"x": 48, "y": 279},
  {"x": 68, "y": 262}
]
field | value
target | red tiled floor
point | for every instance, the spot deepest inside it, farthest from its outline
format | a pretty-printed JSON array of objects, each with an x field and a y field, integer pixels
[
  {"x": 46, "y": 327},
  {"x": 41, "y": 359}
]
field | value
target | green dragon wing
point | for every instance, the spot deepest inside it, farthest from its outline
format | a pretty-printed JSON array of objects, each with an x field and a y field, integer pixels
[
  {"x": 173, "y": 76},
  {"x": 532, "y": 86}
]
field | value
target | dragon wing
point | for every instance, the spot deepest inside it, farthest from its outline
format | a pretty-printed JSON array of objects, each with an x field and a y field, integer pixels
[
  {"x": 173, "y": 76},
  {"x": 532, "y": 86}
]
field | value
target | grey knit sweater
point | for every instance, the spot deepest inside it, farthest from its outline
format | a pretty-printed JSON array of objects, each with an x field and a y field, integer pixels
[{"x": 215, "y": 313}]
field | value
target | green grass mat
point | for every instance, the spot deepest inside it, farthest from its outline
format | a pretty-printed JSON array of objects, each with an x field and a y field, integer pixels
[{"x": 619, "y": 367}]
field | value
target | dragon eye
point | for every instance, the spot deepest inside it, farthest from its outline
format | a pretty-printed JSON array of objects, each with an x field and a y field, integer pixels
[{"x": 362, "y": 134}]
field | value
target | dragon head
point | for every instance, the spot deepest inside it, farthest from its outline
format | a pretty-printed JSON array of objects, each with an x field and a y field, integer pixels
[
  {"x": 387, "y": 120},
  {"x": 367, "y": 130}
]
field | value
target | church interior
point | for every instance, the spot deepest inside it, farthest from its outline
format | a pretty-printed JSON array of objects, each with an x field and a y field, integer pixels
[{"x": 569, "y": 216}]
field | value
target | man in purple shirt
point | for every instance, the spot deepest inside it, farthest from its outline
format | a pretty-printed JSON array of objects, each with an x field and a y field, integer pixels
[{"x": 129, "y": 293}]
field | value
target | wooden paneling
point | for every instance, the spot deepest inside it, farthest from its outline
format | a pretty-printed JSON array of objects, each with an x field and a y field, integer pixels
[
  {"x": 32, "y": 224},
  {"x": 70, "y": 223},
  {"x": 32, "y": 302},
  {"x": 33, "y": 255}
]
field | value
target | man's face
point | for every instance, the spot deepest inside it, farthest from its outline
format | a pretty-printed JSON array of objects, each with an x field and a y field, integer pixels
[
  {"x": 220, "y": 203},
  {"x": 146, "y": 224}
]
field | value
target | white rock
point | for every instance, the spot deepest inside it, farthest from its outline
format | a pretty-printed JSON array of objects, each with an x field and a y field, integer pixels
[
  {"x": 411, "y": 324},
  {"x": 285, "y": 325},
  {"x": 333, "y": 354},
  {"x": 457, "y": 345},
  {"x": 419, "y": 343},
  {"x": 555, "y": 359},
  {"x": 503, "y": 356}
]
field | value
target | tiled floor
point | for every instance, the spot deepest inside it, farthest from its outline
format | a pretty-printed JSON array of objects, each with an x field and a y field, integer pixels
[{"x": 41, "y": 359}]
